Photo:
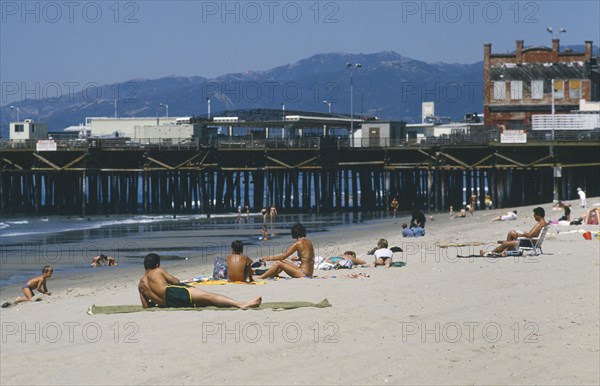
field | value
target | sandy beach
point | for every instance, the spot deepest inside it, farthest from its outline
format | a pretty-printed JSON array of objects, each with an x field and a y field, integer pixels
[{"x": 438, "y": 320}]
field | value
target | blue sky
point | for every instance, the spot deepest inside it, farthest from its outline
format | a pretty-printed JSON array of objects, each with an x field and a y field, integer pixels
[{"x": 66, "y": 44}]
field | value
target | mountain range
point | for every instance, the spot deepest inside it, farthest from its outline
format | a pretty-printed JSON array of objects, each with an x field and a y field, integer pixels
[{"x": 386, "y": 85}]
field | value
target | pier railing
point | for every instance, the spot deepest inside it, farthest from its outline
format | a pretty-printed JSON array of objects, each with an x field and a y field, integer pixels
[{"x": 144, "y": 144}]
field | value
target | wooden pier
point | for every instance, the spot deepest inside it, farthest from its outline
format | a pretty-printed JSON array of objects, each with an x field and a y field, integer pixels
[{"x": 295, "y": 175}]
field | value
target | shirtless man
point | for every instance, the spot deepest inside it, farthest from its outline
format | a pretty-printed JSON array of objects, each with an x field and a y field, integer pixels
[
  {"x": 159, "y": 288},
  {"x": 238, "y": 265},
  {"x": 273, "y": 214},
  {"x": 512, "y": 241},
  {"x": 473, "y": 204},
  {"x": 306, "y": 256}
]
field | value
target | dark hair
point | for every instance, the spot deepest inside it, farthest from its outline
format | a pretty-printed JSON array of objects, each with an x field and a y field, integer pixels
[
  {"x": 515, "y": 211},
  {"x": 151, "y": 261},
  {"x": 237, "y": 246},
  {"x": 539, "y": 211},
  {"x": 405, "y": 225},
  {"x": 351, "y": 253},
  {"x": 382, "y": 243},
  {"x": 47, "y": 268},
  {"x": 298, "y": 230}
]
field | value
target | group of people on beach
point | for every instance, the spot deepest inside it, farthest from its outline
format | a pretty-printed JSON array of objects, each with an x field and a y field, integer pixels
[{"x": 159, "y": 288}]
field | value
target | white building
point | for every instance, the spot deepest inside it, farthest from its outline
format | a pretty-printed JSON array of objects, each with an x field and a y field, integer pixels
[
  {"x": 379, "y": 133},
  {"x": 28, "y": 129},
  {"x": 174, "y": 129}
]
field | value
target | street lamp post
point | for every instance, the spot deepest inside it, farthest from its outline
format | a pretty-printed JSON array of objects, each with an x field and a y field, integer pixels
[
  {"x": 166, "y": 106},
  {"x": 351, "y": 67},
  {"x": 17, "y": 110},
  {"x": 555, "y": 169},
  {"x": 328, "y": 104},
  {"x": 208, "y": 103}
]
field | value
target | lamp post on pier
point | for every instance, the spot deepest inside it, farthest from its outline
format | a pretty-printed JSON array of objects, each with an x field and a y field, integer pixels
[
  {"x": 17, "y": 110},
  {"x": 351, "y": 67},
  {"x": 556, "y": 173},
  {"x": 166, "y": 106}
]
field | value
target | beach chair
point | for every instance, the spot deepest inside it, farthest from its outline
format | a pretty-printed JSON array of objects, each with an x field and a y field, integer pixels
[{"x": 536, "y": 242}]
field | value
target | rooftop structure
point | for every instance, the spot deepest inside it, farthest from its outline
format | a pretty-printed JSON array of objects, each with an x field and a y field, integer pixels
[{"x": 518, "y": 85}]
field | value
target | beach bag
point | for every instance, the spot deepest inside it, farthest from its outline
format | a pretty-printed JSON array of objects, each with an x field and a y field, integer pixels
[{"x": 220, "y": 268}]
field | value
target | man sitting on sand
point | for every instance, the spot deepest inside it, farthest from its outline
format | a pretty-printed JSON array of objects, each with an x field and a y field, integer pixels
[
  {"x": 238, "y": 265},
  {"x": 38, "y": 283},
  {"x": 509, "y": 216},
  {"x": 306, "y": 256},
  {"x": 159, "y": 288},
  {"x": 512, "y": 239}
]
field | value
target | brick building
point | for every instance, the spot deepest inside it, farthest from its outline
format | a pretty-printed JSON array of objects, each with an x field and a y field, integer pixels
[{"x": 517, "y": 85}]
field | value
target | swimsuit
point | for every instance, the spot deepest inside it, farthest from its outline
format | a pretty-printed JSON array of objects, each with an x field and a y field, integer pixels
[
  {"x": 525, "y": 243},
  {"x": 27, "y": 286},
  {"x": 178, "y": 296},
  {"x": 384, "y": 254},
  {"x": 335, "y": 259}
]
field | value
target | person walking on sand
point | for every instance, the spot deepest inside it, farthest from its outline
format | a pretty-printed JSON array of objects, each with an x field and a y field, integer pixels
[
  {"x": 512, "y": 238},
  {"x": 273, "y": 217},
  {"x": 304, "y": 249},
  {"x": 238, "y": 265},
  {"x": 473, "y": 204},
  {"x": 38, "y": 283},
  {"x": 158, "y": 288},
  {"x": 394, "y": 206},
  {"x": 582, "y": 198}
]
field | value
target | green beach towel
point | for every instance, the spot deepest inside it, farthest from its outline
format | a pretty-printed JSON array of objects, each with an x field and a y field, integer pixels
[{"x": 276, "y": 306}]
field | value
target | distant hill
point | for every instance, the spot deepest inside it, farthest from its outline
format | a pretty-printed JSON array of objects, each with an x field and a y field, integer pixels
[{"x": 387, "y": 85}]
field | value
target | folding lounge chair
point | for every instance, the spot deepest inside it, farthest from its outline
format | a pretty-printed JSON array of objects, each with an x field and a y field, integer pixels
[{"x": 536, "y": 242}]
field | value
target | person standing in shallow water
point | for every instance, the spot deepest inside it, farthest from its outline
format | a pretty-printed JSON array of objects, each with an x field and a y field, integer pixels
[{"x": 263, "y": 212}]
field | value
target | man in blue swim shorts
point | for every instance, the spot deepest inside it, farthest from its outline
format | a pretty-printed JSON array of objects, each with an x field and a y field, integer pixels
[{"x": 158, "y": 288}]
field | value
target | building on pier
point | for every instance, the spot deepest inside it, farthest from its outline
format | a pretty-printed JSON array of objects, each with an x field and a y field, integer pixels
[
  {"x": 518, "y": 85},
  {"x": 28, "y": 129}
]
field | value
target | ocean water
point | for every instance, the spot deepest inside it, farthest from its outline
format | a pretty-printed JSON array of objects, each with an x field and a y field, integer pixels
[{"x": 69, "y": 243}]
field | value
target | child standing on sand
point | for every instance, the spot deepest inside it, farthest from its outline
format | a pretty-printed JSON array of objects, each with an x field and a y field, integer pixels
[{"x": 37, "y": 283}]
